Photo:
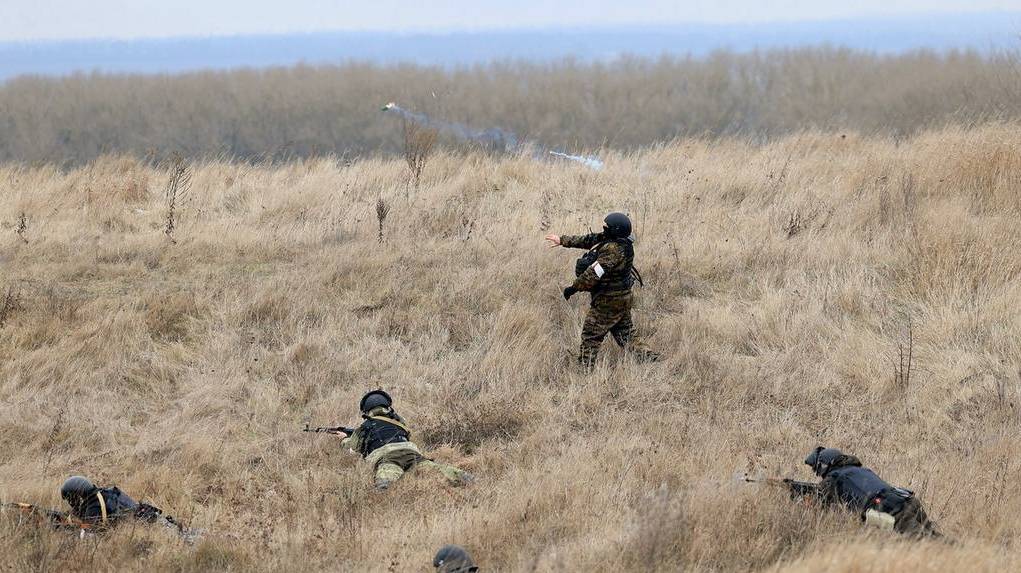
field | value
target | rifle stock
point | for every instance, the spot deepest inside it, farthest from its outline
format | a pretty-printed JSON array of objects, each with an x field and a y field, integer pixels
[
  {"x": 801, "y": 488},
  {"x": 55, "y": 518}
]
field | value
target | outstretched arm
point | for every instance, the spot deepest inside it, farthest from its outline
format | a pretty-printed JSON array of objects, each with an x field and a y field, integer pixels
[{"x": 574, "y": 241}]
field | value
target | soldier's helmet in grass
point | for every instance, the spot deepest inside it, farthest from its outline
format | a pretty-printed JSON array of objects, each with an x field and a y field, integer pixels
[
  {"x": 76, "y": 489},
  {"x": 453, "y": 559},
  {"x": 375, "y": 399},
  {"x": 821, "y": 459}
]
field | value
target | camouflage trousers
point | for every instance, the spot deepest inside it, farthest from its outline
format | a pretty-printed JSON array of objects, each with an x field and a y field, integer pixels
[
  {"x": 611, "y": 313},
  {"x": 397, "y": 459},
  {"x": 912, "y": 520}
]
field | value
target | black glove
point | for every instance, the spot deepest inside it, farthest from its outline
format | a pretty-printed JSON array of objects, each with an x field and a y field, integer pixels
[{"x": 569, "y": 292}]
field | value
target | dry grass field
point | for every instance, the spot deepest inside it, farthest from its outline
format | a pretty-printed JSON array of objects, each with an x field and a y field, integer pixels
[{"x": 783, "y": 281}]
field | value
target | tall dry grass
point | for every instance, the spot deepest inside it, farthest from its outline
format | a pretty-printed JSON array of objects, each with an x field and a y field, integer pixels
[{"x": 781, "y": 279}]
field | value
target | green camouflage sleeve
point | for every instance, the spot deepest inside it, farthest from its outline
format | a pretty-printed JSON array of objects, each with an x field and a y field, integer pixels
[
  {"x": 828, "y": 493},
  {"x": 354, "y": 441},
  {"x": 580, "y": 241},
  {"x": 610, "y": 255}
]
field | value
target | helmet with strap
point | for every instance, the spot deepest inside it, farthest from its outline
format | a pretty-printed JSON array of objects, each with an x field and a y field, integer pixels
[
  {"x": 76, "y": 489},
  {"x": 375, "y": 399},
  {"x": 617, "y": 226}
]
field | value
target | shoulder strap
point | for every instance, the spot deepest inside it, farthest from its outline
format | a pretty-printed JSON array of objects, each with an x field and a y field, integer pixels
[
  {"x": 637, "y": 275},
  {"x": 102, "y": 505},
  {"x": 392, "y": 422}
]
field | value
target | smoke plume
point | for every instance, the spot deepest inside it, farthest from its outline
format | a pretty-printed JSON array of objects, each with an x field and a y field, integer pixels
[{"x": 495, "y": 139}]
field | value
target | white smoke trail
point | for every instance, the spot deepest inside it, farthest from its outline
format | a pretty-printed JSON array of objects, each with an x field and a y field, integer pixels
[
  {"x": 586, "y": 160},
  {"x": 493, "y": 138}
]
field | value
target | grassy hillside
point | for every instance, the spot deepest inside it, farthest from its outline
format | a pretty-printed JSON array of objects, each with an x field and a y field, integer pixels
[{"x": 783, "y": 280}]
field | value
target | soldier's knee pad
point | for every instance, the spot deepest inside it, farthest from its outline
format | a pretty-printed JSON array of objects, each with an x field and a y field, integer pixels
[{"x": 879, "y": 520}]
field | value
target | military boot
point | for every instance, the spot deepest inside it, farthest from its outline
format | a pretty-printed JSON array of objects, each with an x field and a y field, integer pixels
[{"x": 587, "y": 361}]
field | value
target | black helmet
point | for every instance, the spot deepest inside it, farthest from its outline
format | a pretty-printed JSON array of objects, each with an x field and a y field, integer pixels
[
  {"x": 617, "y": 225},
  {"x": 453, "y": 559},
  {"x": 375, "y": 399},
  {"x": 76, "y": 489},
  {"x": 821, "y": 459}
]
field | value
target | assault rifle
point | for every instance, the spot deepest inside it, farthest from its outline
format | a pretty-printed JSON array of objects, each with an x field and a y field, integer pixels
[
  {"x": 798, "y": 489},
  {"x": 335, "y": 430},
  {"x": 54, "y": 518}
]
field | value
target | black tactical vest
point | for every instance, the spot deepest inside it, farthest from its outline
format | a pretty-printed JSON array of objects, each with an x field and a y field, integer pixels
[
  {"x": 856, "y": 486},
  {"x": 117, "y": 504},
  {"x": 377, "y": 432},
  {"x": 620, "y": 278}
]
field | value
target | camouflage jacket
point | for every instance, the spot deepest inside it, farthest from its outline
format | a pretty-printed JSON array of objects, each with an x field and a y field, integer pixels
[{"x": 612, "y": 271}]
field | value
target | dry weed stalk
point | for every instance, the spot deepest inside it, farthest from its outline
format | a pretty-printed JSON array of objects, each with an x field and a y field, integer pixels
[
  {"x": 51, "y": 439},
  {"x": 419, "y": 142},
  {"x": 11, "y": 301},
  {"x": 22, "y": 227},
  {"x": 905, "y": 356},
  {"x": 794, "y": 225},
  {"x": 468, "y": 224},
  {"x": 177, "y": 187},
  {"x": 545, "y": 210},
  {"x": 382, "y": 210}
]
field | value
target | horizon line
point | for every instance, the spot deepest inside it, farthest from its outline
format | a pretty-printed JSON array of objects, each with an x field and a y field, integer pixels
[{"x": 496, "y": 30}]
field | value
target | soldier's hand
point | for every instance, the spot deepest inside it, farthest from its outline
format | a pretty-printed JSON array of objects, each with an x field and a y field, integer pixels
[
  {"x": 554, "y": 240},
  {"x": 569, "y": 292}
]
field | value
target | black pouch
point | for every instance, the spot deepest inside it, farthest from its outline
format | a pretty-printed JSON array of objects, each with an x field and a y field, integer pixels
[
  {"x": 587, "y": 260},
  {"x": 892, "y": 500}
]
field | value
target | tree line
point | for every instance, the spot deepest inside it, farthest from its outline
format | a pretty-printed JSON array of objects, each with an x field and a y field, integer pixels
[{"x": 301, "y": 111}]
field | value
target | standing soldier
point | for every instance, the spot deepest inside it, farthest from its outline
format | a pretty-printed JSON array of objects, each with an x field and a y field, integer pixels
[
  {"x": 384, "y": 440},
  {"x": 845, "y": 481},
  {"x": 607, "y": 272}
]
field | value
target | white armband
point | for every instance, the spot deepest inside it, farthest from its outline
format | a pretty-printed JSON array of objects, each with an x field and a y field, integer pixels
[{"x": 599, "y": 270}]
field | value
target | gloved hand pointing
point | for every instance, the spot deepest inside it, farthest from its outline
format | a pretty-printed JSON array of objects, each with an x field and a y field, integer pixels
[{"x": 569, "y": 292}]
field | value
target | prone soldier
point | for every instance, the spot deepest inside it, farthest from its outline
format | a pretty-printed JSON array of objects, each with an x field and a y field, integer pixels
[{"x": 384, "y": 440}]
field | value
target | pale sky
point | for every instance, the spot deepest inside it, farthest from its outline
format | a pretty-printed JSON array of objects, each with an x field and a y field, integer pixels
[{"x": 67, "y": 19}]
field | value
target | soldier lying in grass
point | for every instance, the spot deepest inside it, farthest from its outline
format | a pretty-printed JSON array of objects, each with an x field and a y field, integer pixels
[
  {"x": 880, "y": 504},
  {"x": 384, "y": 440},
  {"x": 103, "y": 507}
]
